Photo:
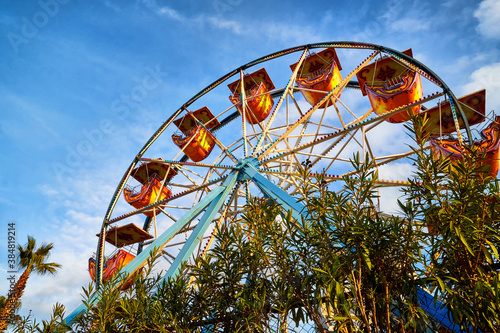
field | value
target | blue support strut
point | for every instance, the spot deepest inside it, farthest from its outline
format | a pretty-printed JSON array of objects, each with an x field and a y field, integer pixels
[
  {"x": 141, "y": 259},
  {"x": 436, "y": 310},
  {"x": 274, "y": 192},
  {"x": 202, "y": 226}
]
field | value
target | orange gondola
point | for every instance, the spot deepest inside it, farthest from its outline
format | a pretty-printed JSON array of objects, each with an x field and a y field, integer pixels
[
  {"x": 259, "y": 101},
  {"x": 196, "y": 138},
  {"x": 319, "y": 74},
  {"x": 112, "y": 266},
  {"x": 154, "y": 168},
  {"x": 149, "y": 194},
  {"x": 390, "y": 85},
  {"x": 489, "y": 146},
  {"x": 150, "y": 176}
]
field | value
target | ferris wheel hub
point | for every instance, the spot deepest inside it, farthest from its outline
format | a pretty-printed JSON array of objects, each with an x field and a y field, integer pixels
[
  {"x": 247, "y": 167},
  {"x": 244, "y": 162}
]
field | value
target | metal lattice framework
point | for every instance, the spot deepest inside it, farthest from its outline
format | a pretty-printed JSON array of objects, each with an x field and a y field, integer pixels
[{"x": 263, "y": 159}]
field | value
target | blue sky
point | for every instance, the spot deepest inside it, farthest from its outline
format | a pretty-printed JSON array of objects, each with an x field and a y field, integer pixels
[{"x": 68, "y": 125}]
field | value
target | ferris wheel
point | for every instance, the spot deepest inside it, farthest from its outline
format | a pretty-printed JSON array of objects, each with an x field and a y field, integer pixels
[{"x": 249, "y": 133}]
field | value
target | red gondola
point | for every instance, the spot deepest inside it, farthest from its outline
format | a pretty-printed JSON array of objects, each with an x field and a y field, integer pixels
[
  {"x": 149, "y": 194},
  {"x": 150, "y": 176},
  {"x": 440, "y": 119}
]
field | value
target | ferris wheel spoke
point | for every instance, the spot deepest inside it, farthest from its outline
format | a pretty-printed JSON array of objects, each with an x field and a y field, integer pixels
[
  {"x": 336, "y": 136},
  {"x": 299, "y": 139},
  {"x": 341, "y": 119},
  {"x": 334, "y": 92},
  {"x": 291, "y": 157},
  {"x": 318, "y": 128},
  {"x": 357, "y": 120},
  {"x": 225, "y": 150},
  {"x": 182, "y": 170},
  {"x": 287, "y": 88},
  {"x": 337, "y": 158},
  {"x": 368, "y": 146},
  {"x": 290, "y": 180},
  {"x": 244, "y": 111},
  {"x": 168, "y": 256},
  {"x": 299, "y": 110},
  {"x": 167, "y": 214},
  {"x": 387, "y": 159},
  {"x": 188, "y": 164}
]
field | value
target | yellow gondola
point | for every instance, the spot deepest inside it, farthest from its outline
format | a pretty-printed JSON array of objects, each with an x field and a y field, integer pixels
[
  {"x": 196, "y": 140},
  {"x": 390, "y": 85},
  {"x": 150, "y": 176},
  {"x": 319, "y": 74},
  {"x": 112, "y": 266},
  {"x": 259, "y": 101},
  {"x": 489, "y": 146},
  {"x": 149, "y": 194}
]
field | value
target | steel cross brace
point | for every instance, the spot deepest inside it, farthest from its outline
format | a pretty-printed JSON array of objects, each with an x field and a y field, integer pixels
[
  {"x": 202, "y": 226},
  {"x": 273, "y": 191},
  {"x": 213, "y": 200}
]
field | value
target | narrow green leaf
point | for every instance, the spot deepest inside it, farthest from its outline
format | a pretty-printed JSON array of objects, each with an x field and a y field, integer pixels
[
  {"x": 366, "y": 256},
  {"x": 493, "y": 248},
  {"x": 462, "y": 238}
]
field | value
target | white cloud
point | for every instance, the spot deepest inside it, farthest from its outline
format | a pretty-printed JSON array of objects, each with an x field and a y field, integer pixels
[
  {"x": 42, "y": 292},
  {"x": 170, "y": 13},
  {"x": 223, "y": 24},
  {"x": 410, "y": 24},
  {"x": 486, "y": 77},
  {"x": 488, "y": 15},
  {"x": 111, "y": 5}
]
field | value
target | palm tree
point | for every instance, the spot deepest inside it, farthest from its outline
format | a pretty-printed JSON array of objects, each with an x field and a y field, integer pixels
[{"x": 32, "y": 261}]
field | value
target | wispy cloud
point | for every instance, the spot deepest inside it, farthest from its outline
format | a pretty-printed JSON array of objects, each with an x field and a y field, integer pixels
[
  {"x": 170, "y": 13},
  {"x": 488, "y": 15},
  {"x": 411, "y": 24},
  {"x": 224, "y": 24},
  {"x": 276, "y": 30}
]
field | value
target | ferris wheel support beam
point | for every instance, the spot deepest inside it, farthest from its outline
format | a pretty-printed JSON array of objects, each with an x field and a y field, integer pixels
[
  {"x": 196, "y": 236},
  {"x": 274, "y": 192},
  {"x": 160, "y": 242}
]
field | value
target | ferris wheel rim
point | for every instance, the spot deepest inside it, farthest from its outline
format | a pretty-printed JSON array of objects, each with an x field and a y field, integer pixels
[
  {"x": 340, "y": 45},
  {"x": 335, "y": 44}
]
